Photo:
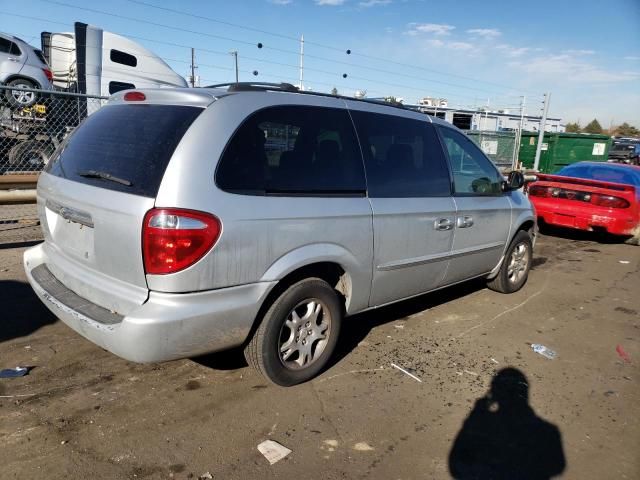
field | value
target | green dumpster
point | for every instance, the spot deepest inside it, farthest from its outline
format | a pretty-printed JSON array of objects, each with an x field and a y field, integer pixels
[{"x": 562, "y": 149}]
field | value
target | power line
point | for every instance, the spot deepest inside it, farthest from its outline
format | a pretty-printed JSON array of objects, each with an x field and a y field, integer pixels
[
  {"x": 260, "y": 45},
  {"x": 421, "y": 90},
  {"x": 329, "y": 47}
]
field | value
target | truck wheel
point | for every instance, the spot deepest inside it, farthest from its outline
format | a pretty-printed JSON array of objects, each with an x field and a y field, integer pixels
[
  {"x": 20, "y": 96},
  {"x": 515, "y": 267},
  {"x": 298, "y": 334}
]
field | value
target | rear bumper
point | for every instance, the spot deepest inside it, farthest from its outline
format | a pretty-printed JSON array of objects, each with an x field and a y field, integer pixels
[
  {"x": 166, "y": 327},
  {"x": 616, "y": 223}
]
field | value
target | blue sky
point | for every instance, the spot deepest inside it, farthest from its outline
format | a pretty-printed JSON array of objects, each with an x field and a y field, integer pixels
[{"x": 586, "y": 53}]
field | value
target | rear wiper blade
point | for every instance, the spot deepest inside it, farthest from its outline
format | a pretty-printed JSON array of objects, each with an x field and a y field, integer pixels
[{"x": 104, "y": 176}]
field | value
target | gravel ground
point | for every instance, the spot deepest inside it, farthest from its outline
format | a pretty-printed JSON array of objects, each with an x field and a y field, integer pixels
[{"x": 84, "y": 413}]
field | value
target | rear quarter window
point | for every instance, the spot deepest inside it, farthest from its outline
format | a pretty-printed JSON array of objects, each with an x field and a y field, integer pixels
[{"x": 129, "y": 142}]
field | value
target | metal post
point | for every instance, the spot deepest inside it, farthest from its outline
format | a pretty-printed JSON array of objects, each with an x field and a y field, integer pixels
[
  {"x": 193, "y": 67},
  {"x": 235, "y": 58},
  {"x": 302, "y": 62},
  {"x": 518, "y": 136},
  {"x": 543, "y": 123}
]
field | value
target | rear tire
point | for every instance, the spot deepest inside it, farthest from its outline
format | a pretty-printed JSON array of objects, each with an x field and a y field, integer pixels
[
  {"x": 18, "y": 98},
  {"x": 515, "y": 267},
  {"x": 298, "y": 333}
]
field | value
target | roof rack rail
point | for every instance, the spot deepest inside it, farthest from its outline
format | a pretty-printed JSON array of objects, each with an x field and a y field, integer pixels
[
  {"x": 287, "y": 87},
  {"x": 255, "y": 86}
]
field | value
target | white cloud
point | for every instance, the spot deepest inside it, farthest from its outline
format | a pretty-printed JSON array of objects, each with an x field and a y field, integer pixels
[
  {"x": 630, "y": 57},
  {"x": 281, "y": 2},
  {"x": 460, "y": 45},
  {"x": 579, "y": 52},
  {"x": 433, "y": 28},
  {"x": 330, "y": 3},
  {"x": 374, "y": 3},
  {"x": 513, "y": 52},
  {"x": 485, "y": 32},
  {"x": 571, "y": 69}
]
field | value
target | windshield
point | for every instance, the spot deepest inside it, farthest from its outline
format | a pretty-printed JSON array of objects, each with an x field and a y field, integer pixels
[{"x": 604, "y": 173}]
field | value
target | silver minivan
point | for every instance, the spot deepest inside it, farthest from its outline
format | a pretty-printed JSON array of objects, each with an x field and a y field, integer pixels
[{"x": 179, "y": 222}]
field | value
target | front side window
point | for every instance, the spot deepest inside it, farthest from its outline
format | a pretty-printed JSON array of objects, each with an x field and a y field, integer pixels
[
  {"x": 473, "y": 172},
  {"x": 296, "y": 150},
  {"x": 403, "y": 157}
]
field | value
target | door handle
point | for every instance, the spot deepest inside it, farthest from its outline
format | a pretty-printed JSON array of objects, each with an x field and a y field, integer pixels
[
  {"x": 443, "y": 224},
  {"x": 464, "y": 222}
]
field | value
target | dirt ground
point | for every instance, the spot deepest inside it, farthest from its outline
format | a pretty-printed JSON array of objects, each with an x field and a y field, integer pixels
[{"x": 84, "y": 413}]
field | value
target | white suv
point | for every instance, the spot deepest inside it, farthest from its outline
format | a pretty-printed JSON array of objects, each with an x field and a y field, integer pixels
[{"x": 22, "y": 67}]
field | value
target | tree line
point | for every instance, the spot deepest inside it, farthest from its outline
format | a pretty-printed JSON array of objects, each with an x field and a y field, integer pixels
[{"x": 623, "y": 130}]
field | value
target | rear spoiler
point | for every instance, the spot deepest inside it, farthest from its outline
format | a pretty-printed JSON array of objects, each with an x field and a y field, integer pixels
[{"x": 621, "y": 187}]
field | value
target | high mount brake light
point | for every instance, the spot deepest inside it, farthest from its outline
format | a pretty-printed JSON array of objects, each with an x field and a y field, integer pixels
[
  {"x": 174, "y": 239},
  {"x": 134, "y": 97}
]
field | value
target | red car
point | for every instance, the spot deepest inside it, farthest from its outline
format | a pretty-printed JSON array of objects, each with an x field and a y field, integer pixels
[{"x": 590, "y": 196}]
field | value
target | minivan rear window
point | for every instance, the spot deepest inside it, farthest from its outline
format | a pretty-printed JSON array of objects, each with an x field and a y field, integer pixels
[{"x": 131, "y": 143}]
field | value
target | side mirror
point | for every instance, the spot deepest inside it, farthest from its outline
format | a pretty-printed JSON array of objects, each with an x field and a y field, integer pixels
[{"x": 515, "y": 181}]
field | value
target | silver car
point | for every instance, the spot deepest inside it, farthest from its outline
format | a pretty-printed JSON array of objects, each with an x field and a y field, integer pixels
[
  {"x": 186, "y": 221},
  {"x": 22, "y": 67}
]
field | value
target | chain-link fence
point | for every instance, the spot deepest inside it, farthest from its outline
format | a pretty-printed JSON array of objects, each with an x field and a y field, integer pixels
[
  {"x": 501, "y": 147},
  {"x": 32, "y": 125},
  {"x": 34, "y": 122}
]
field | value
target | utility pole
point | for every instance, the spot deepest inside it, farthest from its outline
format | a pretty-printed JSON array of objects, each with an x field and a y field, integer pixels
[
  {"x": 543, "y": 124},
  {"x": 235, "y": 57},
  {"x": 193, "y": 67},
  {"x": 518, "y": 139},
  {"x": 302, "y": 62}
]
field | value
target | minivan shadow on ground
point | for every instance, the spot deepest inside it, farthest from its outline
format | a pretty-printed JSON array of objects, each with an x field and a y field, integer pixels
[
  {"x": 22, "y": 312},
  {"x": 503, "y": 438},
  {"x": 356, "y": 328}
]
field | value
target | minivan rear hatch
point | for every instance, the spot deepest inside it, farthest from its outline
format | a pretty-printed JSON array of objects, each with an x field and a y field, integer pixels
[{"x": 95, "y": 192}]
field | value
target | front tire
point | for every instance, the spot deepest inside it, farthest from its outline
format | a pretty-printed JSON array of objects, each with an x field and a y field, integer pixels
[
  {"x": 298, "y": 333},
  {"x": 515, "y": 267}
]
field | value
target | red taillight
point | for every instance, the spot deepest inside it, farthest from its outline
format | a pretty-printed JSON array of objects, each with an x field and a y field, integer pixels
[
  {"x": 609, "y": 201},
  {"x": 174, "y": 239},
  {"x": 48, "y": 73},
  {"x": 538, "y": 191},
  {"x": 135, "y": 97}
]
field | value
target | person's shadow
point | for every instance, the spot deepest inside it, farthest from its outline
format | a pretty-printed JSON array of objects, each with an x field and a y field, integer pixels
[{"x": 503, "y": 438}]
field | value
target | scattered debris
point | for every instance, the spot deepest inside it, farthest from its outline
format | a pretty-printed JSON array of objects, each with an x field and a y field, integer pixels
[
  {"x": 363, "y": 447},
  {"x": 405, "y": 372},
  {"x": 64, "y": 442},
  {"x": 399, "y": 326},
  {"x": 544, "y": 351},
  {"x": 205, "y": 476},
  {"x": 471, "y": 373},
  {"x": 273, "y": 451},
  {"x": 608, "y": 393},
  {"x": 495, "y": 361},
  {"x": 14, "y": 372},
  {"x": 625, "y": 262},
  {"x": 622, "y": 354}
]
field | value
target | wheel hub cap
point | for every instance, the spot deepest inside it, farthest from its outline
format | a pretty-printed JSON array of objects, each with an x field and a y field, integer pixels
[
  {"x": 518, "y": 263},
  {"x": 304, "y": 334}
]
